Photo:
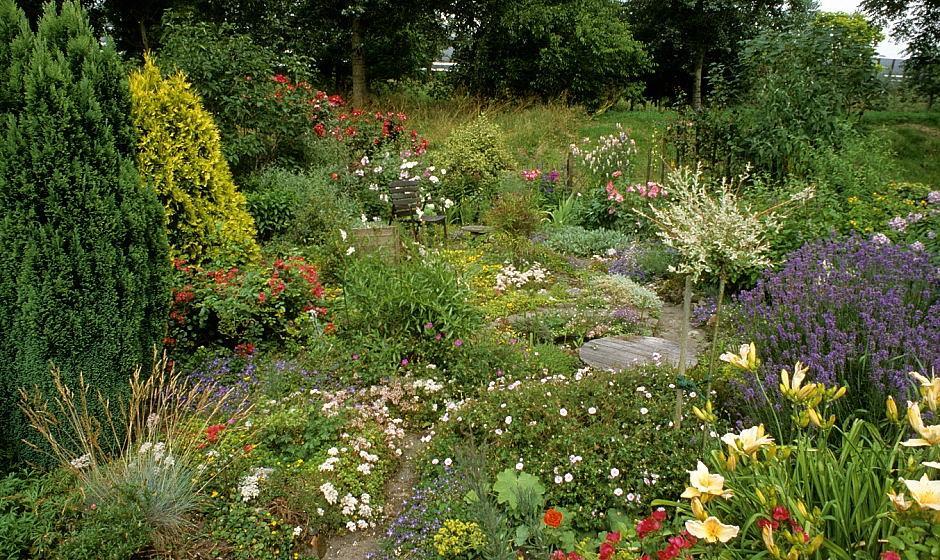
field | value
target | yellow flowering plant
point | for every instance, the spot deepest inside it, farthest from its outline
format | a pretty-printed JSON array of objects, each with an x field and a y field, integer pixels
[{"x": 830, "y": 490}]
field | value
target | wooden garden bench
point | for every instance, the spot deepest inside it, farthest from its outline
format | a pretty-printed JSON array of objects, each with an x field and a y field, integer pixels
[{"x": 405, "y": 197}]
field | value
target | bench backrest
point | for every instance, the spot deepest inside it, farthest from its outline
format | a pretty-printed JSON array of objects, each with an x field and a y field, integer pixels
[{"x": 404, "y": 198}]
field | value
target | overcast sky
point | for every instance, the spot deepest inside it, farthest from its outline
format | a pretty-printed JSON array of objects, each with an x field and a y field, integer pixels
[{"x": 887, "y": 49}]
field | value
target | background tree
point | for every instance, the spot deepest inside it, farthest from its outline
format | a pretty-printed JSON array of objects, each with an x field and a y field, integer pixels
[
  {"x": 799, "y": 87},
  {"x": 84, "y": 266},
  {"x": 918, "y": 22},
  {"x": 692, "y": 34},
  {"x": 547, "y": 48}
]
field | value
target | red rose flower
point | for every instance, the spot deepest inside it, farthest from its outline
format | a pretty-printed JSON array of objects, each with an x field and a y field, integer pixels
[
  {"x": 890, "y": 555},
  {"x": 553, "y": 518},
  {"x": 659, "y": 514},
  {"x": 613, "y": 537},
  {"x": 606, "y": 551},
  {"x": 781, "y": 513}
]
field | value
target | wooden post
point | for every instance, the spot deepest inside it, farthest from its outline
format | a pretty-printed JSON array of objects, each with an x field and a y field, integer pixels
[
  {"x": 569, "y": 180},
  {"x": 662, "y": 162},
  {"x": 683, "y": 347}
]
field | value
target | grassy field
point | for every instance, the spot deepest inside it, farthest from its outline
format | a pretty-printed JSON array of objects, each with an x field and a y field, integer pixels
[
  {"x": 539, "y": 134},
  {"x": 915, "y": 138}
]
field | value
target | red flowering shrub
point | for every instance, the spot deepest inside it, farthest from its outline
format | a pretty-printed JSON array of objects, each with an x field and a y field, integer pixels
[
  {"x": 365, "y": 133},
  {"x": 237, "y": 307}
]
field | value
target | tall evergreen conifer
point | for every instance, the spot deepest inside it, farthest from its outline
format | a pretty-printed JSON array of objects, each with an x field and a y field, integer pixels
[{"x": 83, "y": 252}]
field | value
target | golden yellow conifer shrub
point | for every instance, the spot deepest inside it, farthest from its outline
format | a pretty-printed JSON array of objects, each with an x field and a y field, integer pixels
[{"x": 180, "y": 155}]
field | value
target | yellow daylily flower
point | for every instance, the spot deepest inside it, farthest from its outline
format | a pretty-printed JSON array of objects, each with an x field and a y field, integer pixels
[
  {"x": 788, "y": 385},
  {"x": 929, "y": 389},
  {"x": 899, "y": 500},
  {"x": 925, "y": 492},
  {"x": 767, "y": 535},
  {"x": 704, "y": 485},
  {"x": 711, "y": 530},
  {"x": 746, "y": 358},
  {"x": 929, "y": 435},
  {"x": 748, "y": 441}
]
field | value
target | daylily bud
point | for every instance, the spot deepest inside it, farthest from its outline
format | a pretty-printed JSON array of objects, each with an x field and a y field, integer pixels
[
  {"x": 698, "y": 510},
  {"x": 793, "y": 554},
  {"x": 838, "y": 394},
  {"x": 815, "y": 543},
  {"x": 760, "y": 496},
  {"x": 814, "y": 417},
  {"x": 801, "y": 507},
  {"x": 771, "y": 452},
  {"x": 732, "y": 462},
  {"x": 891, "y": 409}
]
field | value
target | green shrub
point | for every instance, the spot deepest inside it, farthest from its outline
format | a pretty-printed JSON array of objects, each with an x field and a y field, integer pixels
[
  {"x": 474, "y": 155},
  {"x": 421, "y": 303},
  {"x": 83, "y": 274},
  {"x": 584, "y": 425},
  {"x": 273, "y": 210},
  {"x": 575, "y": 240},
  {"x": 299, "y": 432},
  {"x": 263, "y": 121},
  {"x": 581, "y": 51},
  {"x": 37, "y": 513},
  {"x": 304, "y": 208},
  {"x": 251, "y": 533},
  {"x": 621, "y": 291},
  {"x": 180, "y": 156},
  {"x": 516, "y": 213},
  {"x": 110, "y": 532}
]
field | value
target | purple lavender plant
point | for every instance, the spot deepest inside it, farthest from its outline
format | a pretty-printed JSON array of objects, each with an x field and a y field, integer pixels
[
  {"x": 856, "y": 312},
  {"x": 411, "y": 533}
]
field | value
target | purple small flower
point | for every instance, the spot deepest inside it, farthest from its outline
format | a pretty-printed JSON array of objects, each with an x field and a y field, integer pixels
[
  {"x": 933, "y": 197},
  {"x": 355, "y": 357},
  {"x": 897, "y": 223},
  {"x": 438, "y": 336},
  {"x": 404, "y": 362},
  {"x": 429, "y": 325},
  {"x": 458, "y": 343}
]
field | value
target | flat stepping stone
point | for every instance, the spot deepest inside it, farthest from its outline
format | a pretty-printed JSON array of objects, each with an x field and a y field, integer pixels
[
  {"x": 477, "y": 230},
  {"x": 619, "y": 353}
]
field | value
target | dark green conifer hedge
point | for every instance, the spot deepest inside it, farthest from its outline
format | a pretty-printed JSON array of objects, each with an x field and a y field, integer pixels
[{"x": 83, "y": 252}]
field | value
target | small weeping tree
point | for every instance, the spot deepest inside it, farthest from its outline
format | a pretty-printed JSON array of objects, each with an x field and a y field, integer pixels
[{"x": 716, "y": 233}]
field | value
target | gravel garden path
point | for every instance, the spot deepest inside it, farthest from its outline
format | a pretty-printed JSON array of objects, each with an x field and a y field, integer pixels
[
  {"x": 669, "y": 325},
  {"x": 358, "y": 546}
]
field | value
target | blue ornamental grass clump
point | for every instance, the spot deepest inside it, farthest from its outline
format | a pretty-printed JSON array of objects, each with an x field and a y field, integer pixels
[{"x": 857, "y": 312}]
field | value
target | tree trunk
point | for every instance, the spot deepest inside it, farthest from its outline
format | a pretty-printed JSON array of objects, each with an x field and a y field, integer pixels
[
  {"x": 143, "y": 36},
  {"x": 358, "y": 65},
  {"x": 683, "y": 347},
  {"x": 697, "y": 79},
  {"x": 721, "y": 297}
]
